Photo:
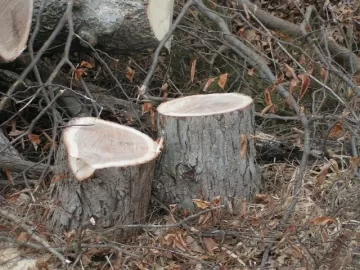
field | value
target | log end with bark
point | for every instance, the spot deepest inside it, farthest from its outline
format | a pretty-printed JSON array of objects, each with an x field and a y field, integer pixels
[
  {"x": 15, "y": 22},
  {"x": 116, "y": 26},
  {"x": 209, "y": 150},
  {"x": 94, "y": 144},
  {"x": 105, "y": 174}
]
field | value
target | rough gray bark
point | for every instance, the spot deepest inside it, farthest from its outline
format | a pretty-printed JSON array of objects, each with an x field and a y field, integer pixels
[
  {"x": 202, "y": 157},
  {"x": 112, "y": 196},
  {"x": 113, "y": 25}
]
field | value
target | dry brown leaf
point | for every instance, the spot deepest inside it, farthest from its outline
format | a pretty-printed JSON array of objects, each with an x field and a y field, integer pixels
[
  {"x": 58, "y": 177},
  {"x": 70, "y": 236},
  {"x": 243, "y": 208},
  {"x": 216, "y": 202},
  {"x": 146, "y": 107},
  {"x": 243, "y": 146},
  {"x": 23, "y": 237},
  {"x": 222, "y": 80},
  {"x": 165, "y": 96},
  {"x": 337, "y": 130},
  {"x": 233, "y": 256},
  {"x": 296, "y": 252},
  {"x": 49, "y": 145},
  {"x": 268, "y": 100},
  {"x": 251, "y": 35},
  {"x": 305, "y": 83},
  {"x": 335, "y": 166},
  {"x": 16, "y": 132},
  {"x": 164, "y": 87},
  {"x": 85, "y": 64},
  {"x": 302, "y": 60},
  {"x": 262, "y": 199},
  {"x": 175, "y": 240},
  {"x": 210, "y": 244},
  {"x": 320, "y": 179},
  {"x": 291, "y": 72},
  {"x": 8, "y": 175},
  {"x": 35, "y": 139},
  {"x": 324, "y": 73},
  {"x": 290, "y": 229},
  {"x": 322, "y": 221},
  {"x": 355, "y": 163},
  {"x": 85, "y": 259},
  {"x": 292, "y": 87},
  {"x": 324, "y": 236},
  {"x": 130, "y": 73},
  {"x": 208, "y": 83},
  {"x": 241, "y": 32},
  {"x": 79, "y": 73},
  {"x": 203, "y": 219},
  {"x": 267, "y": 108},
  {"x": 279, "y": 80},
  {"x": 201, "y": 204},
  {"x": 193, "y": 69}
]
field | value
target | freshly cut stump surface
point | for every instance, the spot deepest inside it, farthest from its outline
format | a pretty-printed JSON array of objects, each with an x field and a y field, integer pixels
[
  {"x": 15, "y": 22},
  {"x": 105, "y": 173},
  {"x": 209, "y": 150}
]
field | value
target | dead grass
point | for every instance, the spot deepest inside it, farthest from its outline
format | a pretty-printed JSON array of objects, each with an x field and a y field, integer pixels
[{"x": 322, "y": 233}]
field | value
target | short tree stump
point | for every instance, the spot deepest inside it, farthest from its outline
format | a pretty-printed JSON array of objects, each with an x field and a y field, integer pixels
[{"x": 209, "y": 150}]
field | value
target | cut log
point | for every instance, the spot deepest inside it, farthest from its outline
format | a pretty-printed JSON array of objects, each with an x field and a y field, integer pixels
[
  {"x": 106, "y": 175},
  {"x": 15, "y": 22},
  {"x": 209, "y": 150},
  {"x": 115, "y": 26}
]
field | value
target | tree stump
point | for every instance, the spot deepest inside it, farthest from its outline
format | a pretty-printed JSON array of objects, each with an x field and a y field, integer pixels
[
  {"x": 15, "y": 22},
  {"x": 106, "y": 175},
  {"x": 209, "y": 150}
]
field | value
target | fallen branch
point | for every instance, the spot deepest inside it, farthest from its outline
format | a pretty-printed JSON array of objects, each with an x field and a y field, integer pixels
[
  {"x": 340, "y": 53},
  {"x": 12, "y": 163}
]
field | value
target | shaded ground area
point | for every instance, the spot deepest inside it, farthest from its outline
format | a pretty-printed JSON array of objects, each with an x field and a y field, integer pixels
[{"x": 322, "y": 234}]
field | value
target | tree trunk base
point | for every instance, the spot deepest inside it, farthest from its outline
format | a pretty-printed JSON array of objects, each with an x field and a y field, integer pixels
[
  {"x": 209, "y": 150},
  {"x": 103, "y": 178}
]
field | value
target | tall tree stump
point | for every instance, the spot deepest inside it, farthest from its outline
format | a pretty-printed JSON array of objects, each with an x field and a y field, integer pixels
[
  {"x": 209, "y": 150},
  {"x": 105, "y": 173}
]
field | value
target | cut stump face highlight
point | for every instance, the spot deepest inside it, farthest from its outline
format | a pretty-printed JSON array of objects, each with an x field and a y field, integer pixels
[
  {"x": 203, "y": 105},
  {"x": 15, "y": 22},
  {"x": 93, "y": 144}
]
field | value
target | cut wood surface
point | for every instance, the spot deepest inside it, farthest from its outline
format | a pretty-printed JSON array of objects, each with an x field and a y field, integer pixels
[
  {"x": 97, "y": 144},
  {"x": 118, "y": 26},
  {"x": 115, "y": 166},
  {"x": 209, "y": 149},
  {"x": 15, "y": 22}
]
